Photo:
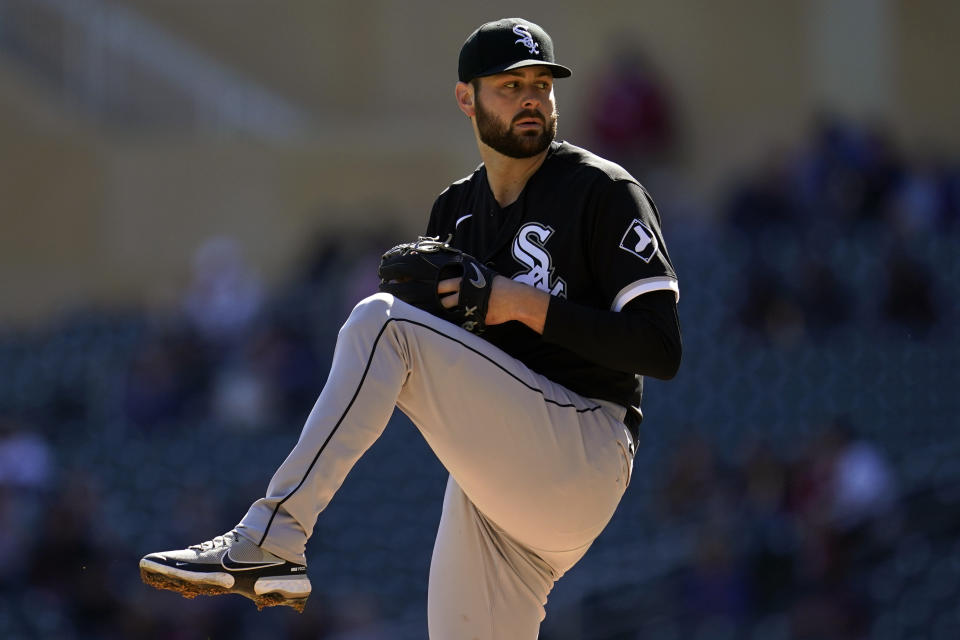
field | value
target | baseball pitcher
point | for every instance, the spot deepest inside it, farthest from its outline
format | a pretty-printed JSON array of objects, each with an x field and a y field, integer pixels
[{"x": 515, "y": 335}]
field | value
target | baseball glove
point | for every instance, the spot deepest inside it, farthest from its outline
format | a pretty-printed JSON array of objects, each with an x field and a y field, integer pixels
[{"x": 412, "y": 271}]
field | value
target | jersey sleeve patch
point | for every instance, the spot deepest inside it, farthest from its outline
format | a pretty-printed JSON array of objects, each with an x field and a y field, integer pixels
[
  {"x": 645, "y": 285},
  {"x": 640, "y": 241}
]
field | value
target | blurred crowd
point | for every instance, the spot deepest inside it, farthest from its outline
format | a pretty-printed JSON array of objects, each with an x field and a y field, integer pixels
[
  {"x": 784, "y": 535},
  {"x": 234, "y": 359},
  {"x": 849, "y": 182},
  {"x": 817, "y": 541}
]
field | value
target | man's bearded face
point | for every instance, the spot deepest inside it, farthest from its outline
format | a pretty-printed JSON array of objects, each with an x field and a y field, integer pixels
[{"x": 500, "y": 136}]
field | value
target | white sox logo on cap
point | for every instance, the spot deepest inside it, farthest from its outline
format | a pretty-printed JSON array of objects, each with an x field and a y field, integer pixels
[
  {"x": 526, "y": 39},
  {"x": 504, "y": 45}
]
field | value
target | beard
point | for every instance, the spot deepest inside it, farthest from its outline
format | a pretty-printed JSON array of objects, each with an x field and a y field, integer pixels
[{"x": 499, "y": 135}]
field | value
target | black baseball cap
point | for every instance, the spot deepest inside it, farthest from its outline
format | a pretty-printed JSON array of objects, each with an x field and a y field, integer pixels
[{"x": 509, "y": 43}]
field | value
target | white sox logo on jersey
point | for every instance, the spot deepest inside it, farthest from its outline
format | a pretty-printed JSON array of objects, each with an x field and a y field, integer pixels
[
  {"x": 526, "y": 39},
  {"x": 640, "y": 241},
  {"x": 529, "y": 249}
]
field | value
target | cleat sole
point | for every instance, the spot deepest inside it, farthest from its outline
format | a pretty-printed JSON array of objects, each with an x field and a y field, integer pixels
[
  {"x": 267, "y": 592},
  {"x": 186, "y": 588}
]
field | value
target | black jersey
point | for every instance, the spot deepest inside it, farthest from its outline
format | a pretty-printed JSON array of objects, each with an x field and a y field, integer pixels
[{"x": 583, "y": 229}]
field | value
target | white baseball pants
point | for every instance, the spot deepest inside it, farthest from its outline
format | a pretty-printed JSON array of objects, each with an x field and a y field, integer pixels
[{"x": 536, "y": 471}]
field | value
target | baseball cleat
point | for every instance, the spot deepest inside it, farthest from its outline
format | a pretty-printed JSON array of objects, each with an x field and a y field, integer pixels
[{"x": 229, "y": 564}]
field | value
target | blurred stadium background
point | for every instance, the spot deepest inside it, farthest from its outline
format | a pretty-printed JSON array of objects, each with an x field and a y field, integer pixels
[{"x": 193, "y": 195}]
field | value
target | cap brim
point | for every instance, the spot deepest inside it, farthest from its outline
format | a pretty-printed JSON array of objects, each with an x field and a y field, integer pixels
[{"x": 558, "y": 70}]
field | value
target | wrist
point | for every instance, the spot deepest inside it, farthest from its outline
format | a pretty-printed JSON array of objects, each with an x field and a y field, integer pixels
[{"x": 523, "y": 303}]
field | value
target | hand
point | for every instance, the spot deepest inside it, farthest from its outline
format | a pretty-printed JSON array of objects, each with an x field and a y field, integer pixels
[{"x": 509, "y": 300}]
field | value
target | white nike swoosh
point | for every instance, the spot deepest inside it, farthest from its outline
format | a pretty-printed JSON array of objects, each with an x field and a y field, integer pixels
[
  {"x": 461, "y": 219},
  {"x": 480, "y": 282},
  {"x": 180, "y": 564}
]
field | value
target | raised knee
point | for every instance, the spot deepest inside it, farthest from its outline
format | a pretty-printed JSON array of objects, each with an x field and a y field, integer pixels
[{"x": 372, "y": 309}]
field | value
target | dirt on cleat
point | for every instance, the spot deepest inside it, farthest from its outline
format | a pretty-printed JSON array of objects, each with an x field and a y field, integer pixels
[{"x": 192, "y": 590}]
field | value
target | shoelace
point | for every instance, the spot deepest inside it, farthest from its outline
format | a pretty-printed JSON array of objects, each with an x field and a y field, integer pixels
[{"x": 220, "y": 541}]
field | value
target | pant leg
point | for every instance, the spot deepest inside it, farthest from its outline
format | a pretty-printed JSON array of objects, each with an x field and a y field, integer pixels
[
  {"x": 542, "y": 463},
  {"x": 483, "y": 584}
]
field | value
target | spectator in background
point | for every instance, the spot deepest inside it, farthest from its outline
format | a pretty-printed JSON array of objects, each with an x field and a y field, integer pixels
[
  {"x": 770, "y": 308},
  {"x": 863, "y": 486},
  {"x": 927, "y": 200},
  {"x": 824, "y": 299},
  {"x": 908, "y": 298},
  {"x": 225, "y": 295},
  {"x": 714, "y": 587},
  {"x": 70, "y": 563},
  {"x": 273, "y": 380},
  {"x": 285, "y": 357},
  {"x": 167, "y": 379},
  {"x": 950, "y": 187},
  {"x": 337, "y": 270},
  {"x": 771, "y": 538},
  {"x": 790, "y": 211},
  {"x": 764, "y": 202},
  {"x": 25, "y": 457},
  {"x": 919, "y": 205},
  {"x": 26, "y": 467},
  {"x": 847, "y": 488},
  {"x": 631, "y": 117},
  {"x": 690, "y": 476},
  {"x": 847, "y": 174}
]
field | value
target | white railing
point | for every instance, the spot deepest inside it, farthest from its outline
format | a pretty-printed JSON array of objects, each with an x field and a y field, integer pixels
[{"x": 121, "y": 67}]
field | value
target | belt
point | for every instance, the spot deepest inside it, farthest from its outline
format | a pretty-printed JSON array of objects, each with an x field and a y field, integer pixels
[{"x": 632, "y": 421}]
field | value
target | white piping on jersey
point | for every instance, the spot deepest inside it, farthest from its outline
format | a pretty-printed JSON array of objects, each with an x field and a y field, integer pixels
[
  {"x": 645, "y": 285},
  {"x": 461, "y": 219}
]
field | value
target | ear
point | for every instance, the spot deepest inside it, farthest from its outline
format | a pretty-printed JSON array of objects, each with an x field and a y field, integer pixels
[{"x": 464, "y": 95}]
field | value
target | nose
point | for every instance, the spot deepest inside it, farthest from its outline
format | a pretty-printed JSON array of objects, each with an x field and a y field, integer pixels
[{"x": 531, "y": 100}]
